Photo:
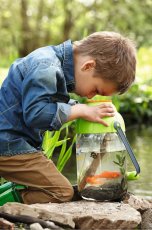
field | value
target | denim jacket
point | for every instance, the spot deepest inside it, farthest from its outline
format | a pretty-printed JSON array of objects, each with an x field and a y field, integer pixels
[{"x": 34, "y": 97}]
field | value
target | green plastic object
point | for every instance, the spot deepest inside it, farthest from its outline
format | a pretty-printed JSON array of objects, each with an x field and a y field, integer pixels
[
  {"x": 9, "y": 192},
  {"x": 84, "y": 126},
  {"x": 132, "y": 175}
]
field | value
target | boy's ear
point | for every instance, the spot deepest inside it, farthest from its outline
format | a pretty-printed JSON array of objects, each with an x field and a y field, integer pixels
[{"x": 88, "y": 65}]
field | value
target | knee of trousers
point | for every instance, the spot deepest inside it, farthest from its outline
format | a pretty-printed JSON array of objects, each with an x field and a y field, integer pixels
[{"x": 66, "y": 194}]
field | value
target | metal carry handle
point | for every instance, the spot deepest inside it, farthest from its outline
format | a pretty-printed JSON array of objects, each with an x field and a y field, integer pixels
[{"x": 122, "y": 136}]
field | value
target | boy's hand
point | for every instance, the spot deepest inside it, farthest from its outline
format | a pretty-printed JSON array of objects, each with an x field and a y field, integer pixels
[{"x": 92, "y": 113}]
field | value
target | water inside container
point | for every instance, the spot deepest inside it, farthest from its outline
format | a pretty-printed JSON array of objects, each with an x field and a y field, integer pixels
[{"x": 101, "y": 166}]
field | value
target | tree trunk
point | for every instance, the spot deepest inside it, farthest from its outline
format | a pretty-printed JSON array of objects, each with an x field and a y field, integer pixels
[
  {"x": 68, "y": 21},
  {"x": 25, "y": 31}
]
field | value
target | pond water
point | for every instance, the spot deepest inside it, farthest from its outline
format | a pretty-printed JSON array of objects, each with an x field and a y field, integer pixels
[{"x": 140, "y": 139}]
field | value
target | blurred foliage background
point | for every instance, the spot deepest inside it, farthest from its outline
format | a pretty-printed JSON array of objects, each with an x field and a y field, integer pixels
[{"x": 28, "y": 24}]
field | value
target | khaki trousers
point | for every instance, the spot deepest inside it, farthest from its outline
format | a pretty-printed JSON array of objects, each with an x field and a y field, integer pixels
[{"x": 45, "y": 183}]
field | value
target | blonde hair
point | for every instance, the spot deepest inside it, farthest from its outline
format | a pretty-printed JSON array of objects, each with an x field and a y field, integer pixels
[{"x": 115, "y": 57}]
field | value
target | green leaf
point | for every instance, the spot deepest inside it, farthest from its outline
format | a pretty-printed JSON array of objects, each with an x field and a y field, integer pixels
[
  {"x": 53, "y": 144},
  {"x": 66, "y": 156},
  {"x": 62, "y": 152},
  {"x": 117, "y": 163},
  {"x": 118, "y": 157},
  {"x": 59, "y": 143}
]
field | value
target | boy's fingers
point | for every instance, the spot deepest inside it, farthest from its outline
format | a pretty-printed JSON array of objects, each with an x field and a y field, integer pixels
[
  {"x": 107, "y": 115},
  {"x": 105, "y": 105},
  {"x": 107, "y": 110},
  {"x": 102, "y": 122},
  {"x": 104, "y": 111}
]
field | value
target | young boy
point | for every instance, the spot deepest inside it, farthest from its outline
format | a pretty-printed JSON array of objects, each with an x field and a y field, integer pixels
[{"x": 34, "y": 97}]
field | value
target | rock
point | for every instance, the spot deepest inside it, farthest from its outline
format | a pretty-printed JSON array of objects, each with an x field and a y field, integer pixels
[
  {"x": 97, "y": 215},
  {"x": 62, "y": 219},
  {"x": 82, "y": 214},
  {"x": 4, "y": 224},
  {"x": 52, "y": 225},
  {"x": 36, "y": 226},
  {"x": 19, "y": 209},
  {"x": 147, "y": 220},
  {"x": 137, "y": 203}
]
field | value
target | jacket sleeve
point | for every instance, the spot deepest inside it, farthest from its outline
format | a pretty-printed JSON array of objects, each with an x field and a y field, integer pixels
[{"x": 39, "y": 110}]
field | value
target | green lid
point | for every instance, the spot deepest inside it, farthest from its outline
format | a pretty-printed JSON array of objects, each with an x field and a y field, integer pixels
[{"x": 84, "y": 126}]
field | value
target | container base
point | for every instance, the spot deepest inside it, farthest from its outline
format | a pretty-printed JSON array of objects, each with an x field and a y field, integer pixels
[{"x": 113, "y": 192}]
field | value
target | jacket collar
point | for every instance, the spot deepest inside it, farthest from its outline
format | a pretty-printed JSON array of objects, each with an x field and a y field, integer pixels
[{"x": 66, "y": 52}]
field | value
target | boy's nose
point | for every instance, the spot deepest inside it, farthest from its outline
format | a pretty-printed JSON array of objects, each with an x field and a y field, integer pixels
[{"x": 91, "y": 95}]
